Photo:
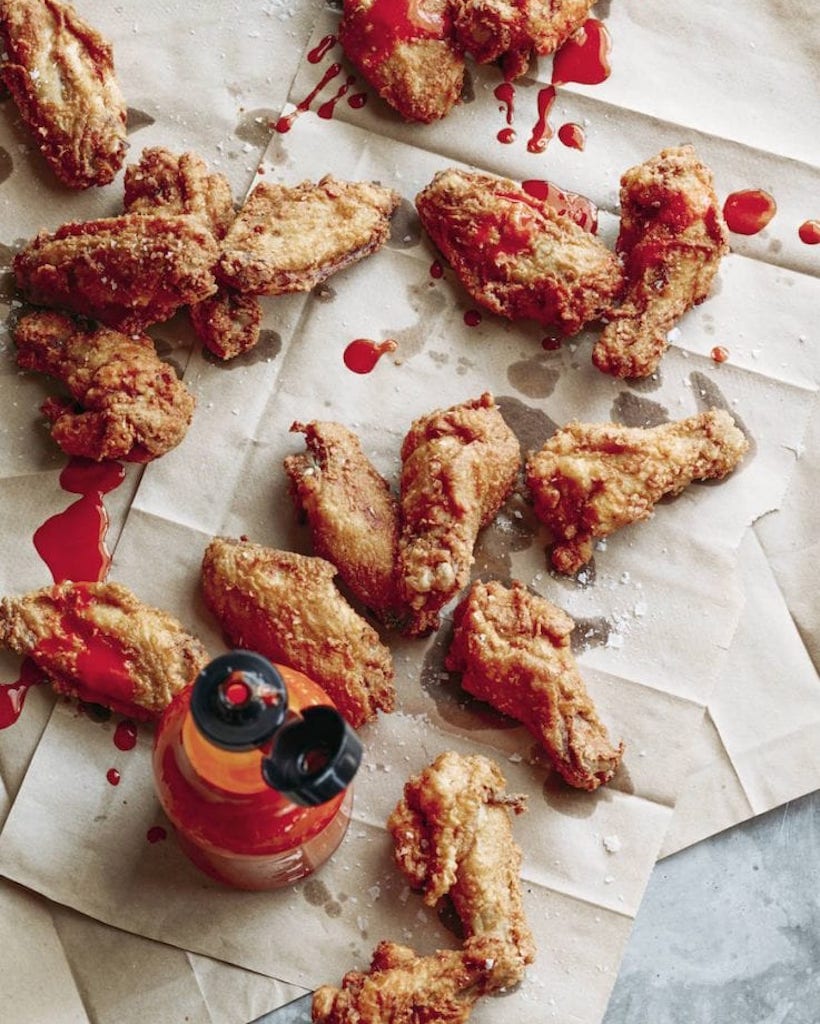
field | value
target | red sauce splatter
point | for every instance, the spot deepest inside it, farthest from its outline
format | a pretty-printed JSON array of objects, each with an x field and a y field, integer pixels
[
  {"x": 327, "y": 108},
  {"x": 285, "y": 123},
  {"x": 584, "y": 57},
  {"x": 506, "y": 136},
  {"x": 155, "y": 834},
  {"x": 390, "y": 22},
  {"x": 551, "y": 344},
  {"x": 125, "y": 735},
  {"x": 72, "y": 543},
  {"x": 749, "y": 211},
  {"x": 809, "y": 232},
  {"x": 320, "y": 51},
  {"x": 436, "y": 270},
  {"x": 720, "y": 354},
  {"x": 13, "y": 695},
  {"x": 472, "y": 318},
  {"x": 505, "y": 94},
  {"x": 362, "y": 354},
  {"x": 113, "y": 776},
  {"x": 572, "y": 135},
  {"x": 357, "y": 100},
  {"x": 566, "y": 204},
  {"x": 542, "y": 130}
]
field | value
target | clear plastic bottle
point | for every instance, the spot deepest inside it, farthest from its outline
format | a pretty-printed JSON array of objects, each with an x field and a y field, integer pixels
[{"x": 252, "y": 766}]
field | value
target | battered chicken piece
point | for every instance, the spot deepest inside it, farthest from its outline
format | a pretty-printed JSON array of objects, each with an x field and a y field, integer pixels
[
  {"x": 452, "y": 835},
  {"x": 60, "y": 73},
  {"x": 590, "y": 479},
  {"x": 672, "y": 238},
  {"x": 353, "y": 517},
  {"x": 514, "y": 254},
  {"x": 127, "y": 272},
  {"x": 286, "y": 607},
  {"x": 129, "y": 403},
  {"x": 459, "y": 466},
  {"x": 404, "y": 988},
  {"x": 513, "y": 650},
  {"x": 99, "y": 643},
  {"x": 406, "y": 51},
  {"x": 289, "y": 239}
]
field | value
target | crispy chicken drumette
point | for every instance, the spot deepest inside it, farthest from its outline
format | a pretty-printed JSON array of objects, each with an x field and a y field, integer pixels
[
  {"x": 590, "y": 479},
  {"x": 513, "y": 650},
  {"x": 672, "y": 238}
]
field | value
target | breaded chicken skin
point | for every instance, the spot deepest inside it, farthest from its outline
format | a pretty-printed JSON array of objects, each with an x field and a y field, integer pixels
[
  {"x": 286, "y": 607},
  {"x": 590, "y": 479},
  {"x": 514, "y": 254},
  {"x": 98, "y": 642},
  {"x": 672, "y": 238},
  {"x": 127, "y": 403},
  {"x": 513, "y": 650},
  {"x": 459, "y": 465},
  {"x": 60, "y": 73}
]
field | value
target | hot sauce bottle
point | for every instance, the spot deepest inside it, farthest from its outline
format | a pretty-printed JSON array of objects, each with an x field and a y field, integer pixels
[{"x": 253, "y": 766}]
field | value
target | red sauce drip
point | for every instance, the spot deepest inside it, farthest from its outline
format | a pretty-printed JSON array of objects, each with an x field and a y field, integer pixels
[
  {"x": 436, "y": 270},
  {"x": 327, "y": 108},
  {"x": 285, "y": 123},
  {"x": 505, "y": 94},
  {"x": 125, "y": 735},
  {"x": 584, "y": 57},
  {"x": 551, "y": 344},
  {"x": 720, "y": 354},
  {"x": 472, "y": 318},
  {"x": 506, "y": 136},
  {"x": 13, "y": 695},
  {"x": 809, "y": 232},
  {"x": 390, "y": 22},
  {"x": 572, "y": 135},
  {"x": 749, "y": 211},
  {"x": 566, "y": 204},
  {"x": 542, "y": 130},
  {"x": 357, "y": 100},
  {"x": 155, "y": 834},
  {"x": 113, "y": 776},
  {"x": 320, "y": 51},
  {"x": 361, "y": 355}
]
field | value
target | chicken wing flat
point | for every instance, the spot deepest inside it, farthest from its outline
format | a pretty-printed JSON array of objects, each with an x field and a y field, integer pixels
[
  {"x": 286, "y": 607},
  {"x": 459, "y": 465},
  {"x": 127, "y": 272},
  {"x": 406, "y": 51},
  {"x": 128, "y": 403},
  {"x": 672, "y": 238},
  {"x": 452, "y": 835},
  {"x": 514, "y": 254},
  {"x": 60, "y": 73},
  {"x": 99, "y": 643},
  {"x": 353, "y": 517},
  {"x": 404, "y": 988},
  {"x": 590, "y": 479},
  {"x": 289, "y": 239},
  {"x": 513, "y": 650}
]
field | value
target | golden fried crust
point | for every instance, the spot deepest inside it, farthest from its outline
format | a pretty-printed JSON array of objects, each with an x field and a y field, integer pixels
[
  {"x": 353, "y": 517},
  {"x": 452, "y": 835},
  {"x": 227, "y": 323},
  {"x": 672, "y": 238},
  {"x": 514, "y": 254},
  {"x": 404, "y": 988},
  {"x": 132, "y": 405},
  {"x": 459, "y": 466},
  {"x": 101, "y": 644},
  {"x": 127, "y": 272},
  {"x": 590, "y": 479},
  {"x": 60, "y": 72},
  {"x": 290, "y": 239},
  {"x": 286, "y": 607},
  {"x": 513, "y": 650},
  {"x": 405, "y": 50}
]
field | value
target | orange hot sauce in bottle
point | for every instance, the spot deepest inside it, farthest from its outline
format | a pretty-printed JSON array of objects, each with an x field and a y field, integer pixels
[{"x": 253, "y": 765}]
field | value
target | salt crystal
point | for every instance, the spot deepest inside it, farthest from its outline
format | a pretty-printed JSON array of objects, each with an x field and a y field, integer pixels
[{"x": 611, "y": 844}]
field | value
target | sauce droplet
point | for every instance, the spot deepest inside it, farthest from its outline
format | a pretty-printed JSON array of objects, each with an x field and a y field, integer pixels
[
  {"x": 13, "y": 695},
  {"x": 285, "y": 123},
  {"x": 542, "y": 130},
  {"x": 572, "y": 135},
  {"x": 551, "y": 344},
  {"x": 362, "y": 354},
  {"x": 327, "y": 108},
  {"x": 472, "y": 318},
  {"x": 113, "y": 776},
  {"x": 584, "y": 57},
  {"x": 320, "y": 51},
  {"x": 357, "y": 100},
  {"x": 720, "y": 354},
  {"x": 125, "y": 735},
  {"x": 505, "y": 94},
  {"x": 749, "y": 211},
  {"x": 809, "y": 232},
  {"x": 436, "y": 270},
  {"x": 155, "y": 834}
]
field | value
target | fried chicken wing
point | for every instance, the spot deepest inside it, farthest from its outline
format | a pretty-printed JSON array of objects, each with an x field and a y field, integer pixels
[
  {"x": 406, "y": 51},
  {"x": 286, "y": 607},
  {"x": 452, "y": 836},
  {"x": 672, "y": 238},
  {"x": 514, "y": 254},
  {"x": 404, "y": 988},
  {"x": 513, "y": 650},
  {"x": 590, "y": 479},
  {"x": 127, "y": 272},
  {"x": 291, "y": 239},
  {"x": 98, "y": 642},
  {"x": 60, "y": 73},
  {"x": 353, "y": 517},
  {"x": 459, "y": 466},
  {"x": 128, "y": 403}
]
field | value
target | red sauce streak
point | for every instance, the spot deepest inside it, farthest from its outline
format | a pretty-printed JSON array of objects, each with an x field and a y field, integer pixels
[
  {"x": 357, "y": 100},
  {"x": 155, "y": 834},
  {"x": 390, "y": 22},
  {"x": 720, "y": 354},
  {"x": 584, "y": 57},
  {"x": 572, "y": 135},
  {"x": 13, "y": 695},
  {"x": 505, "y": 94},
  {"x": 542, "y": 131},
  {"x": 566, "y": 204},
  {"x": 285, "y": 123},
  {"x": 72, "y": 542},
  {"x": 749, "y": 211},
  {"x": 125, "y": 735},
  {"x": 809, "y": 232},
  {"x": 361, "y": 355},
  {"x": 436, "y": 270},
  {"x": 320, "y": 51},
  {"x": 472, "y": 318},
  {"x": 327, "y": 108},
  {"x": 113, "y": 776}
]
